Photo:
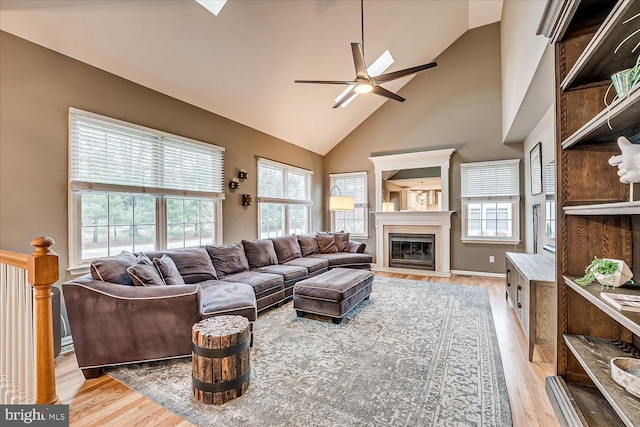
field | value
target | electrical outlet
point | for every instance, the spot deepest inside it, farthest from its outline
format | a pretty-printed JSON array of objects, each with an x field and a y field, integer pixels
[{"x": 491, "y": 258}]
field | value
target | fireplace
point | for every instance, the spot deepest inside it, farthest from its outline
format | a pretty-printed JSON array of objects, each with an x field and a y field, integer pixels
[{"x": 409, "y": 250}]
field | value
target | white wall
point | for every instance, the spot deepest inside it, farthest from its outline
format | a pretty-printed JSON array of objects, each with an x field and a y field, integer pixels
[
  {"x": 544, "y": 132},
  {"x": 521, "y": 52}
]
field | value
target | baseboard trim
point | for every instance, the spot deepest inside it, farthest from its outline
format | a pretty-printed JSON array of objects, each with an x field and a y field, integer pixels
[{"x": 477, "y": 273}]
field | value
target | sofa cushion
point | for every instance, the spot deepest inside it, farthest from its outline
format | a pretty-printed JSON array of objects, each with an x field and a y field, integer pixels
[
  {"x": 193, "y": 264},
  {"x": 218, "y": 298},
  {"x": 113, "y": 269},
  {"x": 167, "y": 268},
  {"x": 308, "y": 244},
  {"x": 288, "y": 272},
  {"x": 145, "y": 273},
  {"x": 287, "y": 248},
  {"x": 326, "y": 243},
  {"x": 259, "y": 253},
  {"x": 345, "y": 259},
  {"x": 262, "y": 283},
  {"x": 311, "y": 264},
  {"x": 228, "y": 259},
  {"x": 342, "y": 241}
]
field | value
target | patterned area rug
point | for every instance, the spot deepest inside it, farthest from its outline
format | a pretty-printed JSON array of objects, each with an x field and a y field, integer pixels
[{"x": 415, "y": 354}]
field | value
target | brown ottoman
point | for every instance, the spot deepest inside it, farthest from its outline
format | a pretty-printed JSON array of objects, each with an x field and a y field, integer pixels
[{"x": 333, "y": 293}]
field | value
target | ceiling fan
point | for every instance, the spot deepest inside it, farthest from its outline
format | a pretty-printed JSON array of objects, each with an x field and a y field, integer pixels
[{"x": 364, "y": 83}]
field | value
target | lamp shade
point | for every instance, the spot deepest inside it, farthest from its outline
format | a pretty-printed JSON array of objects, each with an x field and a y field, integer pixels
[
  {"x": 341, "y": 203},
  {"x": 388, "y": 206}
]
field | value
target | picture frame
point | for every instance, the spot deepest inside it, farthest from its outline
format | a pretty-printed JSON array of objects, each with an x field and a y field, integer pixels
[{"x": 535, "y": 167}]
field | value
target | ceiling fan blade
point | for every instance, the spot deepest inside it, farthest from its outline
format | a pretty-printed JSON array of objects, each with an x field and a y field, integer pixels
[
  {"x": 358, "y": 61},
  {"x": 326, "y": 82},
  {"x": 345, "y": 98},
  {"x": 379, "y": 90},
  {"x": 401, "y": 73}
]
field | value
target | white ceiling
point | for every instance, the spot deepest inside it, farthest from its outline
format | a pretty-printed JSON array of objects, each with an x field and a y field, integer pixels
[{"x": 242, "y": 63}]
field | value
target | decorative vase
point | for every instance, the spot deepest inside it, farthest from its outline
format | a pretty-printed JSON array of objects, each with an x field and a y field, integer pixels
[
  {"x": 623, "y": 81},
  {"x": 619, "y": 278}
]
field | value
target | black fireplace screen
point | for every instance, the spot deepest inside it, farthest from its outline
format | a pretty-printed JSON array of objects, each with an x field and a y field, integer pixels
[{"x": 412, "y": 251}]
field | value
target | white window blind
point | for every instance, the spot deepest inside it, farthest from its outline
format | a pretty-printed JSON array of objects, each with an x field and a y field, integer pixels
[
  {"x": 350, "y": 185},
  {"x": 490, "y": 179},
  {"x": 280, "y": 183},
  {"x": 111, "y": 155}
]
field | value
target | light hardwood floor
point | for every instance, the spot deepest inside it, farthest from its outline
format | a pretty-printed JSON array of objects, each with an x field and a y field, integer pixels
[{"x": 106, "y": 402}]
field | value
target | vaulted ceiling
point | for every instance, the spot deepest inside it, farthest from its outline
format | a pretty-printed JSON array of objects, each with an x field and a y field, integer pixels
[{"x": 242, "y": 63}]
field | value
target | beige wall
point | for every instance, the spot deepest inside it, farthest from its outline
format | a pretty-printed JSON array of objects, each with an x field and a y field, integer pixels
[
  {"x": 455, "y": 105},
  {"x": 38, "y": 87},
  {"x": 544, "y": 133},
  {"x": 522, "y": 51}
]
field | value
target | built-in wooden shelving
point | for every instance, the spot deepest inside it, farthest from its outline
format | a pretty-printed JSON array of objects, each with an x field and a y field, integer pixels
[
  {"x": 628, "y": 319},
  {"x": 621, "y": 208},
  {"x": 595, "y": 354},
  {"x": 622, "y": 115},
  {"x": 597, "y": 216},
  {"x": 597, "y": 62}
]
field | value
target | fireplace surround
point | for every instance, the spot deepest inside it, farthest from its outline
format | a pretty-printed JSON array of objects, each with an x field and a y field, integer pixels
[{"x": 436, "y": 222}]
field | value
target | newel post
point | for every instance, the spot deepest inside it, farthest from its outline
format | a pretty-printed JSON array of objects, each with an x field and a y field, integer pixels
[{"x": 42, "y": 274}]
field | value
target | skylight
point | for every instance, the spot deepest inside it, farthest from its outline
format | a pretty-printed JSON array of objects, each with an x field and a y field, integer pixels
[
  {"x": 378, "y": 67},
  {"x": 213, "y": 6}
]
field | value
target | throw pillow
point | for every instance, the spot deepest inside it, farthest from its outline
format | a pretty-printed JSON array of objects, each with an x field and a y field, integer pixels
[
  {"x": 342, "y": 241},
  {"x": 287, "y": 248},
  {"x": 113, "y": 269},
  {"x": 260, "y": 253},
  {"x": 193, "y": 264},
  {"x": 167, "y": 268},
  {"x": 228, "y": 259},
  {"x": 326, "y": 243},
  {"x": 308, "y": 244},
  {"x": 145, "y": 273}
]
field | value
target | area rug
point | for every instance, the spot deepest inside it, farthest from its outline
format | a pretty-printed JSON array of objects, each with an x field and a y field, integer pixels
[{"x": 415, "y": 354}]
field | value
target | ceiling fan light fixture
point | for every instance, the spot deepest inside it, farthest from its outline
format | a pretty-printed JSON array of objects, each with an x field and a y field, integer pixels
[{"x": 363, "y": 88}]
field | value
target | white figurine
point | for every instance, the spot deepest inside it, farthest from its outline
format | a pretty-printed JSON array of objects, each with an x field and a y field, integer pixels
[{"x": 628, "y": 162}]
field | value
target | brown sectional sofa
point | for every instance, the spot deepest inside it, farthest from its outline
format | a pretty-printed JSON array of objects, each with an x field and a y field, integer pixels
[{"x": 113, "y": 321}]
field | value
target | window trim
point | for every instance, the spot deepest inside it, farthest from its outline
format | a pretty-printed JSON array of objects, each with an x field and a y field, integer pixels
[
  {"x": 365, "y": 205},
  {"x": 75, "y": 190},
  {"x": 513, "y": 199},
  {"x": 284, "y": 201}
]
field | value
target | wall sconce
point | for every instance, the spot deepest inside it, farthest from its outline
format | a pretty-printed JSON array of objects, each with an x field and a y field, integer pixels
[
  {"x": 246, "y": 200},
  {"x": 242, "y": 174},
  {"x": 340, "y": 203},
  {"x": 234, "y": 184}
]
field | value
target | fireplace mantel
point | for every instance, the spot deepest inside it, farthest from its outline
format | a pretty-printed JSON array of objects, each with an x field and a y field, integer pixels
[{"x": 437, "y": 222}]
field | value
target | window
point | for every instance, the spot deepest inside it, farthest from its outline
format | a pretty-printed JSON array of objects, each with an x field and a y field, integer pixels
[
  {"x": 490, "y": 201},
  {"x": 284, "y": 199},
  {"x": 138, "y": 189},
  {"x": 351, "y": 185}
]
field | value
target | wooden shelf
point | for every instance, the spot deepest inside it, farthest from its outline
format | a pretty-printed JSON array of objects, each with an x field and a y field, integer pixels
[
  {"x": 595, "y": 354},
  {"x": 628, "y": 319},
  {"x": 578, "y": 405},
  {"x": 622, "y": 115},
  {"x": 621, "y": 208},
  {"x": 597, "y": 62}
]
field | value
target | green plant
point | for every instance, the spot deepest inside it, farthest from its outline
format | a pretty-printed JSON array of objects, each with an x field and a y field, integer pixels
[{"x": 602, "y": 266}]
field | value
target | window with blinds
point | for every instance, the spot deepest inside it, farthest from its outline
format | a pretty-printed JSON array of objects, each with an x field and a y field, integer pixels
[
  {"x": 134, "y": 189},
  {"x": 352, "y": 184},
  {"x": 107, "y": 154},
  {"x": 490, "y": 193},
  {"x": 284, "y": 199}
]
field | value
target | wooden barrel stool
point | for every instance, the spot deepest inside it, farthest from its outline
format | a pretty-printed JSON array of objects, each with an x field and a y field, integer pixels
[{"x": 220, "y": 359}]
